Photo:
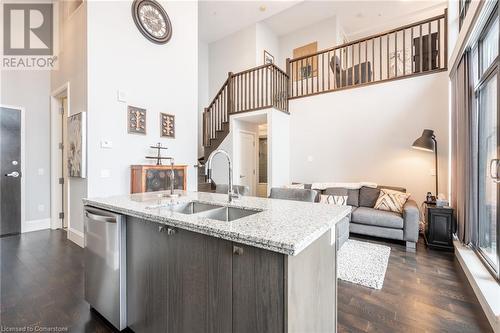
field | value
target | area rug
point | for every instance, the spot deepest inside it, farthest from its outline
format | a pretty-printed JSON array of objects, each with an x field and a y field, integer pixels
[{"x": 363, "y": 263}]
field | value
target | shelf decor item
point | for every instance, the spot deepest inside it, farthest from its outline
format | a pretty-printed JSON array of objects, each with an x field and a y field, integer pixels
[
  {"x": 158, "y": 156},
  {"x": 136, "y": 120},
  {"x": 152, "y": 21},
  {"x": 77, "y": 150},
  {"x": 167, "y": 125}
]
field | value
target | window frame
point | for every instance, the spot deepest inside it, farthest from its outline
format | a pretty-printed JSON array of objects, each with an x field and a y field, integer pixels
[{"x": 484, "y": 75}]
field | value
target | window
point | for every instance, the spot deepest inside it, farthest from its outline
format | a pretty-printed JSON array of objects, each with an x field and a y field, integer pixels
[
  {"x": 463, "y": 5},
  {"x": 485, "y": 69}
]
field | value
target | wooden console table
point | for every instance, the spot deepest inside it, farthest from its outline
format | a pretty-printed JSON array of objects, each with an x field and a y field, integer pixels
[{"x": 150, "y": 178}]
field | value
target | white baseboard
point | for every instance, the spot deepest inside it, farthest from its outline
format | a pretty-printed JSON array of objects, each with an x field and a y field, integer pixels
[
  {"x": 484, "y": 285},
  {"x": 76, "y": 237},
  {"x": 35, "y": 225}
]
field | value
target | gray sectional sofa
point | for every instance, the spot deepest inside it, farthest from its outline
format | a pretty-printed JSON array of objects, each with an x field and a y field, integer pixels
[{"x": 366, "y": 220}]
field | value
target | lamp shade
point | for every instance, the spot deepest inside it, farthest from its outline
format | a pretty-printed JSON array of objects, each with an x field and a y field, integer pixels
[{"x": 425, "y": 141}]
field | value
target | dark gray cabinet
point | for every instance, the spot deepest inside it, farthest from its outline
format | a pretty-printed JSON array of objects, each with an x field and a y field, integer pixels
[
  {"x": 258, "y": 290},
  {"x": 439, "y": 227},
  {"x": 180, "y": 281},
  {"x": 167, "y": 274}
]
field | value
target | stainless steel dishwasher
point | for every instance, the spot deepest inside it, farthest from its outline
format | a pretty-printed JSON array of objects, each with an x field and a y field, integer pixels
[{"x": 105, "y": 264}]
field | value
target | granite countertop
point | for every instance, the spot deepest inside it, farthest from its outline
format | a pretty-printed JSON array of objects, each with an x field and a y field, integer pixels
[{"x": 282, "y": 226}]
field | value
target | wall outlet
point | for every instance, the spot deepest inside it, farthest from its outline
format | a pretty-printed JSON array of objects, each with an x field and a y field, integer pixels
[
  {"x": 41, "y": 208},
  {"x": 105, "y": 173},
  {"x": 433, "y": 172},
  {"x": 122, "y": 96},
  {"x": 106, "y": 144},
  {"x": 310, "y": 158}
]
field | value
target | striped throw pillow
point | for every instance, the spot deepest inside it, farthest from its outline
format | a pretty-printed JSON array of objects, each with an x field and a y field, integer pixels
[
  {"x": 391, "y": 200},
  {"x": 339, "y": 200}
]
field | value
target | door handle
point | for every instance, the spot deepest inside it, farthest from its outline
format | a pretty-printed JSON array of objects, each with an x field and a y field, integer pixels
[
  {"x": 100, "y": 218},
  {"x": 13, "y": 174},
  {"x": 494, "y": 162}
]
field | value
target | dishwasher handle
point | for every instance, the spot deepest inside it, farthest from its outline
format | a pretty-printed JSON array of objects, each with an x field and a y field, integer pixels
[{"x": 100, "y": 218}]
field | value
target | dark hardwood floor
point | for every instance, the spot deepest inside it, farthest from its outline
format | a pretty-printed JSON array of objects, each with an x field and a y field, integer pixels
[
  {"x": 425, "y": 291},
  {"x": 41, "y": 284}
]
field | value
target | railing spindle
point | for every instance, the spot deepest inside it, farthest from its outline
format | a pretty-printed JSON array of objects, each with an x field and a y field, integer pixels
[
  {"x": 421, "y": 50},
  {"x": 396, "y": 54},
  {"x": 429, "y": 45},
  {"x": 404, "y": 53}
]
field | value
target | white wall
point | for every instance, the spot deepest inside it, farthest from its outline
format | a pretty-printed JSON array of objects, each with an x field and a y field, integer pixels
[
  {"x": 267, "y": 40},
  {"x": 326, "y": 33},
  {"x": 30, "y": 89},
  {"x": 365, "y": 134},
  {"x": 279, "y": 145},
  {"x": 233, "y": 53},
  {"x": 203, "y": 97},
  {"x": 73, "y": 69},
  {"x": 159, "y": 78}
]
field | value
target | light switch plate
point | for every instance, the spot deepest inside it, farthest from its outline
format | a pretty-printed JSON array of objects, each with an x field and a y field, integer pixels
[
  {"x": 105, "y": 173},
  {"x": 433, "y": 172},
  {"x": 41, "y": 171},
  {"x": 106, "y": 144},
  {"x": 310, "y": 158},
  {"x": 122, "y": 96}
]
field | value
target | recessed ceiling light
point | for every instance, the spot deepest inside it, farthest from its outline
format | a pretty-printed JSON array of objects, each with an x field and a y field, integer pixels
[{"x": 262, "y": 8}]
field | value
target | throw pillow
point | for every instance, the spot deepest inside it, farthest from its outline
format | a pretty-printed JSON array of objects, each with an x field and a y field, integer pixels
[
  {"x": 339, "y": 200},
  {"x": 298, "y": 186},
  {"x": 391, "y": 200}
]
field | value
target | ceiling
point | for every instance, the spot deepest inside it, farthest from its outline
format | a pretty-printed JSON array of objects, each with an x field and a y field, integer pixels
[
  {"x": 354, "y": 16},
  {"x": 218, "y": 19}
]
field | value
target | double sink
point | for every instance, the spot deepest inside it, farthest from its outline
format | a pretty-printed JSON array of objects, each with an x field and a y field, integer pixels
[{"x": 214, "y": 212}]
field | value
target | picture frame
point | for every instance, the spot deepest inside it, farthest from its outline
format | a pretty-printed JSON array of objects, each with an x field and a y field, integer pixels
[
  {"x": 167, "y": 125},
  {"x": 268, "y": 58},
  {"x": 77, "y": 145},
  {"x": 136, "y": 120}
]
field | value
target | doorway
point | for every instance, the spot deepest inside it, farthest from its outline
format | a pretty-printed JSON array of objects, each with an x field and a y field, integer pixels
[
  {"x": 247, "y": 149},
  {"x": 11, "y": 170},
  {"x": 60, "y": 193}
]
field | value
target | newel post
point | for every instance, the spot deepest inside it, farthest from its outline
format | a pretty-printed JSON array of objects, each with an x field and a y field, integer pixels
[
  {"x": 288, "y": 82},
  {"x": 230, "y": 104}
]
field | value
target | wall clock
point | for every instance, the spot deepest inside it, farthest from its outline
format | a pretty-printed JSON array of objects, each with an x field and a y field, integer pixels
[{"x": 152, "y": 20}]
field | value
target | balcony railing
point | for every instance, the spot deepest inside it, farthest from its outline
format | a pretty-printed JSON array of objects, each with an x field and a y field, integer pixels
[{"x": 411, "y": 50}]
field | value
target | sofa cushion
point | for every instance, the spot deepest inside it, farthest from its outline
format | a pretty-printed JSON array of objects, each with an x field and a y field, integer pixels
[
  {"x": 380, "y": 218},
  {"x": 352, "y": 195},
  {"x": 368, "y": 196},
  {"x": 391, "y": 200}
]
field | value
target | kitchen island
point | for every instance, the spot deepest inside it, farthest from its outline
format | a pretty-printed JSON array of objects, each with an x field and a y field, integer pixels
[{"x": 197, "y": 263}]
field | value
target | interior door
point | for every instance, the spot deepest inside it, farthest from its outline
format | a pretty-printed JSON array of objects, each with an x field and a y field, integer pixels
[
  {"x": 10, "y": 171},
  {"x": 247, "y": 161},
  {"x": 64, "y": 152}
]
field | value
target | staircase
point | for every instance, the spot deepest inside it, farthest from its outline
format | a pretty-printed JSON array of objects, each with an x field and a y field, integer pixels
[
  {"x": 254, "y": 89},
  {"x": 416, "y": 49}
]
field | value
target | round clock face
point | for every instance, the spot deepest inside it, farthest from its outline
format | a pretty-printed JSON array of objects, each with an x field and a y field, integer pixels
[{"x": 152, "y": 20}]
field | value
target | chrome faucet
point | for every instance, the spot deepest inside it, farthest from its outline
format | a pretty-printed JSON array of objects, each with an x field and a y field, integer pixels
[
  {"x": 172, "y": 180},
  {"x": 208, "y": 172}
]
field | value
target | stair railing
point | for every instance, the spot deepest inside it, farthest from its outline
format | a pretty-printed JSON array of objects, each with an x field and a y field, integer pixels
[{"x": 254, "y": 89}]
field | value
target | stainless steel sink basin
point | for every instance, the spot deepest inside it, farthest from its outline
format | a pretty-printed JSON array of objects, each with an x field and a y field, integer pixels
[
  {"x": 228, "y": 213},
  {"x": 192, "y": 207}
]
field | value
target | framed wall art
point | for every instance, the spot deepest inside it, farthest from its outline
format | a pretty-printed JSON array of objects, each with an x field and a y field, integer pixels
[
  {"x": 268, "y": 58},
  {"x": 167, "y": 125},
  {"x": 136, "y": 120},
  {"x": 77, "y": 145}
]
